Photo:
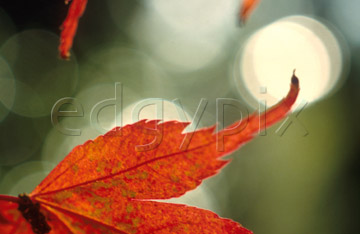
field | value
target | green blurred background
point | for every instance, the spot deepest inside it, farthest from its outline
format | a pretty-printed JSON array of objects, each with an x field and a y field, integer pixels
[{"x": 301, "y": 180}]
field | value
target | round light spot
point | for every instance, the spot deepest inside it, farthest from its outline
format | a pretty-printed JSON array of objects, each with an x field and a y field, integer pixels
[
  {"x": 43, "y": 78},
  {"x": 205, "y": 16},
  {"x": 7, "y": 89},
  {"x": 113, "y": 63},
  {"x": 187, "y": 53},
  {"x": 25, "y": 177},
  {"x": 184, "y": 36},
  {"x": 347, "y": 17},
  {"x": 19, "y": 140},
  {"x": 264, "y": 66}
]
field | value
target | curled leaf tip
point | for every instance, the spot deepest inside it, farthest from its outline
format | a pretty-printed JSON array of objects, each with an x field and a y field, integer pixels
[
  {"x": 65, "y": 55},
  {"x": 293, "y": 92},
  {"x": 294, "y": 79}
]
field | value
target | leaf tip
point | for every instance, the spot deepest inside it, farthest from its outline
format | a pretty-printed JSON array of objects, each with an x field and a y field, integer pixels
[
  {"x": 241, "y": 22},
  {"x": 246, "y": 9},
  {"x": 65, "y": 55},
  {"x": 294, "y": 79}
]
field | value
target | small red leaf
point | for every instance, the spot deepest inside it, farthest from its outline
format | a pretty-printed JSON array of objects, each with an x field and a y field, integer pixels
[{"x": 69, "y": 27}]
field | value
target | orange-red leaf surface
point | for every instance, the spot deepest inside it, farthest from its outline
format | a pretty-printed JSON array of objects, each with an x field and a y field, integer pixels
[
  {"x": 69, "y": 27},
  {"x": 105, "y": 185},
  {"x": 246, "y": 9}
]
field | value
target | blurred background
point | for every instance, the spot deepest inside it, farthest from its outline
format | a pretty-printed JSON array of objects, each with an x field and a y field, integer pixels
[{"x": 300, "y": 176}]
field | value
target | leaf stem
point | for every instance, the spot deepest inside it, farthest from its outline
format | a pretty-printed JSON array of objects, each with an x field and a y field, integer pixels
[{"x": 9, "y": 198}]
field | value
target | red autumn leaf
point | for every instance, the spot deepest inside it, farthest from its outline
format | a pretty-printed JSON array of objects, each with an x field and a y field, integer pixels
[
  {"x": 107, "y": 185},
  {"x": 69, "y": 27},
  {"x": 246, "y": 9}
]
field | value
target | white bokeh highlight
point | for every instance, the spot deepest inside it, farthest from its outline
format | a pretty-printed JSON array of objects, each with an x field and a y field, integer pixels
[
  {"x": 265, "y": 64},
  {"x": 184, "y": 36}
]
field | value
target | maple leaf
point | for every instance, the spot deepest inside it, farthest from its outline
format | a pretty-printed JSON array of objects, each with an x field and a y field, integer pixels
[
  {"x": 246, "y": 9},
  {"x": 108, "y": 185}
]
